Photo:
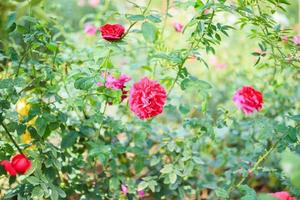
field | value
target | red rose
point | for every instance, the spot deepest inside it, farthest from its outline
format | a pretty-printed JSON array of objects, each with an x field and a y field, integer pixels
[
  {"x": 112, "y": 32},
  {"x": 283, "y": 196},
  {"x": 147, "y": 98},
  {"x": 21, "y": 163},
  {"x": 248, "y": 99},
  {"x": 18, "y": 165},
  {"x": 8, "y": 167}
]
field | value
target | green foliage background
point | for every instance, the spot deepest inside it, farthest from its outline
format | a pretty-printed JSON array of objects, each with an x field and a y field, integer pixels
[{"x": 85, "y": 148}]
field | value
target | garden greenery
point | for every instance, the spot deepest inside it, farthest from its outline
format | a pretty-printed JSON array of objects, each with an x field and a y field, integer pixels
[{"x": 64, "y": 106}]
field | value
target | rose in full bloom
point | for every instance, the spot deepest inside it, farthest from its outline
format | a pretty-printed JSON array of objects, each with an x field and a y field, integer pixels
[
  {"x": 147, "y": 98},
  {"x": 19, "y": 165},
  {"x": 90, "y": 30},
  {"x": 297, "y": 40},
  {"x": 282, "y": 196},
  {"x": 178, "y": 26},
  {"x": 112, "y": 32},
  {"x": 248, "y": 99},
  {"x": 8, "y": 167}
]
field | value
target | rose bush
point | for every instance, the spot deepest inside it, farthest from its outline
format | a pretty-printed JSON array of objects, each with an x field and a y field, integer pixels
[{"x": 149, "y": 99}]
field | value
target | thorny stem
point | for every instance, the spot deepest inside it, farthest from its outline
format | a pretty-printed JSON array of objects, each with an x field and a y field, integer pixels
[{"x": 11, "y": 137}]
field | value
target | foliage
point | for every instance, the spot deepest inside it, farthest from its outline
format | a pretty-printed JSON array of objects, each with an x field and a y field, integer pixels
[{"x": 85, "y": 142}]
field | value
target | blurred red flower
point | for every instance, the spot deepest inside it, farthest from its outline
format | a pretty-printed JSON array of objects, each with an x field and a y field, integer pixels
[
  {"x": 8, "y": 167},
  {"x": 18, "y": 165},
  {"x": 112, "y": 32},
  {"x": 283, "y": 196},
  {"x": 147, "y": 98},
  {"x": 178, "y": 26},
  {"x": 248, "y": 99},
  {"x": 21, "y": 163}
]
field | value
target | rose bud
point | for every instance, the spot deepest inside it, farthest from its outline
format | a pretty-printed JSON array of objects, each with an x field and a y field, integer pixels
[{"x": 112, "y": 32}]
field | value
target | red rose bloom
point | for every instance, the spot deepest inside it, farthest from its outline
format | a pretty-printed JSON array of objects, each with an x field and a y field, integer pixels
[
  {"x": 21, "y": 163},
  {"x": 112, "y": 32},
  {"x": 147, "y": 98},
  {"x": 248, "y": 99},
  {"x": 8, "y": 167},
  {"x": 18, "y": 165},
  {"x": 283, "y": 196}
]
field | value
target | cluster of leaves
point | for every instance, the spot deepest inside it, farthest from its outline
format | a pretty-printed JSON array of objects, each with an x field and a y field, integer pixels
[{"x": 196, "y": 147}]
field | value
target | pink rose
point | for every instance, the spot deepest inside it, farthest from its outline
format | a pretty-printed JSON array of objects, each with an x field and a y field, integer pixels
[
  {"x": 81, "y": 3},
  {"x": 116, "y": 83},
  {"x": 178, "y": 26},
  {"x": 282, "y": 196},
  {"x": 206, "y": 11},
  {"x": 90, "y": 29},
  {"x": 248, "y": 99},
  {"x": 297, "y": 40},
  {"x": 285, "y": 39},
  {"x": 141, "y": 193},
  {"x": 216, "y": 63},
  {"x": 124, "y": 189},
  {"x": 112, "y": 32},
  {"x": 94, "y": 3},
  {"x": 147, "y": 98}
]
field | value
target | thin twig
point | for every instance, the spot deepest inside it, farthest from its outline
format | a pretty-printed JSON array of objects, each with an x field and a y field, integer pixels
[{"x": 10, "y": 137}]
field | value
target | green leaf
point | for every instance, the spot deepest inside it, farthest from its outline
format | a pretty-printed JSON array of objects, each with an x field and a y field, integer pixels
[
  {"x": 167, "y": 169},
  {"x": 266, "y": 197},
  {"x": 33, "y": 180},
  {"x": 135, "y": 17},
  {"x": 37, "y": 192},
  {"x": 149, "y": 31},
  {"x": 290, "y": 163},
  {"x": 6, "y": 83},
  {"x": 173, "y": 177},
  {"x": 41, "y": 124},
  {"x": 295, "y": 117},
  {"x": 69, "y": 139},
  {"x": 11, "y": 18},
  {"x": 143, "y": 185},
  {"x": 84, "y": 83},
  {"x": 249, "y": 193},
  {"x": 220, "y": 192},
  {"x": 154, "y": 18}
]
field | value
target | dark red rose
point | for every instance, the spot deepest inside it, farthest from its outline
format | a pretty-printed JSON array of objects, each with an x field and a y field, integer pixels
[
  {"x": 8, "y": 167},
  {"x": 21, "y": 163},
  {"x": 112, "y": 32}
]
